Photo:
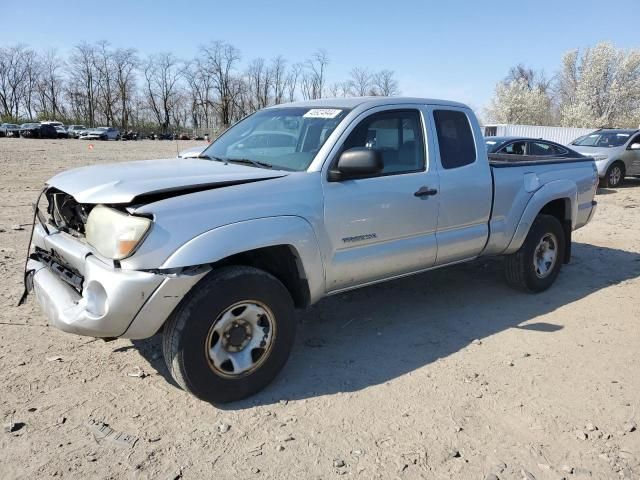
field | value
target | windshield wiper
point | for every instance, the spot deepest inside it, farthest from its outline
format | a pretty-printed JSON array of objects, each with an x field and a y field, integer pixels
[
  {"x": 210, "y": 157},
  {"x": 255, "y": 163}
]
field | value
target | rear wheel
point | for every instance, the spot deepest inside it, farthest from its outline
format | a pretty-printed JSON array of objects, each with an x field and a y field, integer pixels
[
  {"x": 535, "y": 266},
  {"x": 231, "y": 335},
  {"x": 614, "y": 176}
]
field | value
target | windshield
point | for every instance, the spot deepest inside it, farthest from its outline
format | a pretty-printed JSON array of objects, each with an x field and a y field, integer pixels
[
  {"x": 603, "y": 139},
  {"x": 287, "y": 138}
]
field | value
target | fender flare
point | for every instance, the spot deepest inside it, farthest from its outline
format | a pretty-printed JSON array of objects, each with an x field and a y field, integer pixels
[
  {"x": 555, "y": 190},
  {"x": 227, "y": 240}
]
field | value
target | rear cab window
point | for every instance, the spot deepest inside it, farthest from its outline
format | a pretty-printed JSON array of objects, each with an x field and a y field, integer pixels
[{"x": 455, "y": 138}]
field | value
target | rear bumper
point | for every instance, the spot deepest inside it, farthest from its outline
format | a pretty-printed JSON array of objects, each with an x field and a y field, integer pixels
[{"x": 112, "y": 302}]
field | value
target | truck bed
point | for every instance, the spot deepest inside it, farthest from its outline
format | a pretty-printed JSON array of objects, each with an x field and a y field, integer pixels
[{"x": 516, "y": 182}]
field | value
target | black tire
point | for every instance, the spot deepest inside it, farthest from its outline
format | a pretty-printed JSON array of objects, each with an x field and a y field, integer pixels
[
  {"x": 614, "y": 176},
  {"x": 187, "y": 332},
  {"x": 520, "y": 271}
]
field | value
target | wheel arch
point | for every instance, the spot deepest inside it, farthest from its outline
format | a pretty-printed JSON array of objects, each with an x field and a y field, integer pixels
[
  {"x": 558, "y": 199},
  {"x": 284, "y": 246},
  {"x": 283, "y": 262}
]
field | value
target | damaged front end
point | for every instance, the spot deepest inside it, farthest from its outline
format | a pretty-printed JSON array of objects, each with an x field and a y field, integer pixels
[
  {"x": 65, "y": 213},
  {"x": 85, "y": 292}
]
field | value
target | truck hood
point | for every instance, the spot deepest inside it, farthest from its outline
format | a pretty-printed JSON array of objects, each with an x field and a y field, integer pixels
[{"x": 124, "y": 183}]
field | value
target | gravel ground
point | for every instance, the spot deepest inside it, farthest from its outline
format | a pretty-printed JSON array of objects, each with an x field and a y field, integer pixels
[{"x": 448, "y": 374}]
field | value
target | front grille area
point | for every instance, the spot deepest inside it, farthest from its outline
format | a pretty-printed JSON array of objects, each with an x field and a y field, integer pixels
[{"x": 57, "y": 266}]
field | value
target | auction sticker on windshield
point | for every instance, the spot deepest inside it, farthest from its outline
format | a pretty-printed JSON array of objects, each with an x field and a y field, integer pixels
[{"x": 322, "y": 113}]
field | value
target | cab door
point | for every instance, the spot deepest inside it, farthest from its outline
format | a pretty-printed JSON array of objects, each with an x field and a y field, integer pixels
[
  {"x": 382, "y": 226},
  {"x": 466, "y": 185}
]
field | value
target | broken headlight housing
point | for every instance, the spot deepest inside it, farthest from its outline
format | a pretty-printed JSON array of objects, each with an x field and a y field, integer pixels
[{"x": 115, "y": 234}]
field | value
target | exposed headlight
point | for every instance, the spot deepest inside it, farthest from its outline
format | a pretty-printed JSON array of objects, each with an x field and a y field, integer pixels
[{"x": 113, "y": 233}]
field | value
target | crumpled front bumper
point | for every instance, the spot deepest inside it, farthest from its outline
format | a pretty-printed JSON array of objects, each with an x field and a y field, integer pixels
[{"x": 113, "y": 302}]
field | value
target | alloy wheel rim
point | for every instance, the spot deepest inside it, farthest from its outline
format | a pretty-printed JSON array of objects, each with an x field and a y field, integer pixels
[
  {"x": 240, "y": 339},
  {"x": 615, "y": 175},
  {"x": 545, "y": 255}
]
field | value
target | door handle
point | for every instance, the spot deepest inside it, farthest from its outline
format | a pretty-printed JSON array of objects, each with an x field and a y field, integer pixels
[{"x": 425, "y": 192}]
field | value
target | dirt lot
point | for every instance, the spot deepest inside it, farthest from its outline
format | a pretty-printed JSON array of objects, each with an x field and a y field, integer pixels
[{"x": 449, "y": 374}]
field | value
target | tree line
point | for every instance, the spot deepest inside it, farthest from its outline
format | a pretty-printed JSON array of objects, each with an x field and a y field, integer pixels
[
  {"x": 597, "y": 87},
  {"x": 98, "y": 84}
]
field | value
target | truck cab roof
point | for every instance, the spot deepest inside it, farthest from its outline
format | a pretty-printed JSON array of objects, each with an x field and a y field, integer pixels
[{"x": 373, "y": 101}]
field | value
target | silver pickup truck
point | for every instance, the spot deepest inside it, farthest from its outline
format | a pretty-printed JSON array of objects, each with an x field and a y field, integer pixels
[{"x": 293, "y": 203}]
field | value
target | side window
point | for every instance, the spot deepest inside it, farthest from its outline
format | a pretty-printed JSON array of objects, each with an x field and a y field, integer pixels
[
  {"x": 457, "y": 147},
  {"x": 541, "y": 149},
  {"x": 396, "y": 135},
  {"x": 558, "y": 150},
  {"x": 515, "y": 148}
]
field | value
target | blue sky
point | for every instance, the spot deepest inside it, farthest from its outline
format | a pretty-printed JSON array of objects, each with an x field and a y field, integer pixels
[{"x": 448, "y": 49}]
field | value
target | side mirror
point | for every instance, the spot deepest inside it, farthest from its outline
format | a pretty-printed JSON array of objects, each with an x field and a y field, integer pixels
[
  {"x": 357, "y": 162},
  {"x": 634, "y": 146}
]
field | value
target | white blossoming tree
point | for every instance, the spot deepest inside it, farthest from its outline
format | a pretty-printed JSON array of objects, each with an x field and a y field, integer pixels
[
  {"x": 600, "y": 87},
  {"x": 518, "y": 101}
]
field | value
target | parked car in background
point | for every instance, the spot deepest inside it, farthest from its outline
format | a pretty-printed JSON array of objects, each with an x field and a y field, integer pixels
[
  {"x": 616, "y": 152},
  {"x": 217, "y": 251},
  {"x": 129, "y": 135},
  {"x": 38, "y": 130},
  {"x": 9, "y": 130},
  {"x": 53, "y": 123},
  {"x": 101, "y": 133},
  {"x": 62, "y": 132},
  {"x": 522, "y": 149},
  {"x": 192, "y": 152},
  {"x": 73, "y": 131}
]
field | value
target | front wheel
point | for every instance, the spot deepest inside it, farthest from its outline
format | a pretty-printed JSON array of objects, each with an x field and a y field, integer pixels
[
  {"x": 614, "y": 176},
  {"x": 231, "y": 335},
  {"x": 535, "y": 266}
]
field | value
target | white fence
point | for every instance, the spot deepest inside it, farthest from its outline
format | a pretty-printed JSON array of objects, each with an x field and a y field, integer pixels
[{"x": 563, "y": 135}]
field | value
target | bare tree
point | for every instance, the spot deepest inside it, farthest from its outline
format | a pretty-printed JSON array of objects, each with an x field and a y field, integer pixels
[
  {"x": 84, "y": 76},
  {"x": 361, "y": 81},
  {"x": 533, "y": 79},
  {"x": 292, "y": 80},
  {"x": 14, "y": 73},
  {"x": 314, "y": 79},
  {"x": 334, "y": 90},
  {"x": 125, "y": 64},
  {"x": 50, "y": 85},
  {"x": 31, "y": 80},
  {"x": 221, "y": 59},
  {"x": 278, "y": 78},
  {"x": 161, "y": 74},
  {"x": 107, "y": 91},
  {"x": 258, "y": 78},
  {"x": 385, "y": 84}
]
